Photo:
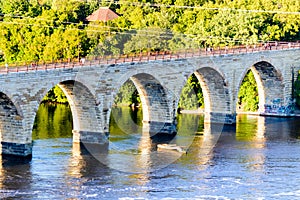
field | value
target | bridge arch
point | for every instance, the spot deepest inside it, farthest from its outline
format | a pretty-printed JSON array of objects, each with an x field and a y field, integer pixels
[
  {"x": 270, "y": 86},
  {"x": 86, "y": 116},
  {"x": 158, "y": 115},
  {"x": 215, "y": 89},
  {"x": 61, "y": 81}
]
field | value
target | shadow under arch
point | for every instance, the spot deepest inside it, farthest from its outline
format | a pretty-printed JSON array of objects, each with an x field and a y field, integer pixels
[
  {"x": 270, "y": 88},
  {"x": 217, "y": 102}
]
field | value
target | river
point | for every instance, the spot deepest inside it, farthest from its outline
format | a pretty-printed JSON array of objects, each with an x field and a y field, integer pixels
[{"x": 256, "y": 159}]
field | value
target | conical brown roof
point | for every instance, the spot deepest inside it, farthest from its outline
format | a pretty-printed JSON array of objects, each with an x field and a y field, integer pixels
[{"x": 102, "y": 14}]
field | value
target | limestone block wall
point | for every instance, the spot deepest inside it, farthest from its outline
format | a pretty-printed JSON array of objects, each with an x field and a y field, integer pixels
[{"x": 159, "y": 85}]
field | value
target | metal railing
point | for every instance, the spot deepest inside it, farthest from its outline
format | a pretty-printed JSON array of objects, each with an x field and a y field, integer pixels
[{"x": 150, "y": 56}]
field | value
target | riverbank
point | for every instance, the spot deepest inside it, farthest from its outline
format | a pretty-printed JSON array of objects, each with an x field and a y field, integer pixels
[
  {"x": 196, "y": 112},
  {"x": 246, "y": 113},
  {"x": 201, "y": 111}
]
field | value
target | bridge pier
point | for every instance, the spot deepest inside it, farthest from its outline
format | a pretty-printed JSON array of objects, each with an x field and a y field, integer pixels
[
  {"x": 16, "y": 149},
  {"x": 220, "y": 118},
  {"x": 154, "y": 127},
  {"x": 278, "y": 110},
  {"x": 96, "y": 143},
  {"x": 89, "y": 137},
  {"x": 159, "y": 131}
]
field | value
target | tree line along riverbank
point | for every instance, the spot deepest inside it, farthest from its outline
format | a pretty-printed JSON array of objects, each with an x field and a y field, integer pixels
[{"x": 46, "y": 30}]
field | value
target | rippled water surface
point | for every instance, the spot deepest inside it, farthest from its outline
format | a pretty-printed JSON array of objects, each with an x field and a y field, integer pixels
[{"x": 256, "y": 159}]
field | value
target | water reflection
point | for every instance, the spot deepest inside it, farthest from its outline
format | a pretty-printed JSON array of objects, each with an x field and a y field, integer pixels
[
  {"x": 126, "y": 140},
  {"x": 133, "y": 150},
  {"x": 203, "y": 145},
  {"x": 124, "y": 123},
  {"x": 83, "y": 164},
  {"x": 145, "y": 148},
  {"x": 254, "y": 159},
  {"x": 294, "y": 129},
  {"x": 52, "y": 121},
  {"x": 251, "y": 129},
  {"x": 260, "y": 128},
  {"x": 250, "y": 133},
  {"x": 76, "y": 162},
  {"x": 281, "y": 128},
  {"x": 83, "y": 167},
  {"x": 15, "y": 176}
]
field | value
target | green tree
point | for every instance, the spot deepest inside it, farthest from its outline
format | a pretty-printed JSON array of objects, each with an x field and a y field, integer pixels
[
  {"x": 15, "y": 7},
  {"x": 248, "y": 98},
  {"x": 55, "y": 95},
  {"x": 191, "y": 96},
  {"x": 150, "y": 39},
  {"x": 127, "y": 95}
]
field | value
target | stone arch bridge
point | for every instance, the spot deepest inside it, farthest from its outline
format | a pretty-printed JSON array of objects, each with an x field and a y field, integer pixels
[{"x": 91, "y": 88}]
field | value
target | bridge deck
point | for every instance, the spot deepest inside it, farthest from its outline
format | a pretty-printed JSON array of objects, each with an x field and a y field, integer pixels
[{"x": 152, "y": 56}]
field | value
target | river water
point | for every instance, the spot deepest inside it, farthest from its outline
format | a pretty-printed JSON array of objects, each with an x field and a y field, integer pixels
[{"x": 256, "y": 159}]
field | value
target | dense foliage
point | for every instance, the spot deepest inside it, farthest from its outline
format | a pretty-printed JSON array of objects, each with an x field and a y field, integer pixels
[
  {"x": 33, "y": 30},
  {"x": 56, "y": 95},
  {"x": 127, "y": 95},
  {"x": 248, "y": 94},
  {"x": 191, "y": 96}
]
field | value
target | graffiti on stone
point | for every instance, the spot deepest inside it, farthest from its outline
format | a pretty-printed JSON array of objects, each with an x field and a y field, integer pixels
[{"x": 279, "y": 109}]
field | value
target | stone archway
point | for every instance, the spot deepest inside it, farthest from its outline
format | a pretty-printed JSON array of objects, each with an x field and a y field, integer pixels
[
  {"x": 270, "y": 87},
  {"x": 158, "y": 113},
  {"x": 216, "y": 96},
  {"x": 88, "y": 126}
]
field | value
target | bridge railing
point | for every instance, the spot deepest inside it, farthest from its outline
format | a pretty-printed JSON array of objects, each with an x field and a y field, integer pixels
[{"x": 149, "y": 56}]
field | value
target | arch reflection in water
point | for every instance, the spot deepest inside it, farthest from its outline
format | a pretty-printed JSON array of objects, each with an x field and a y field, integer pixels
[
  {"x": 83, "y": 164},
  {"x": 251, "y": 137},
  {"x": 132, "y": 150},
  {"x": 200, "y": 152},
  {"x": 52, "y": 121},
  {"x": 251, "y": 128}
]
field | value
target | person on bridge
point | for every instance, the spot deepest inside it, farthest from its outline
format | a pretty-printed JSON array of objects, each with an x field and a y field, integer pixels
[{"x": 82, "y": 61}]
